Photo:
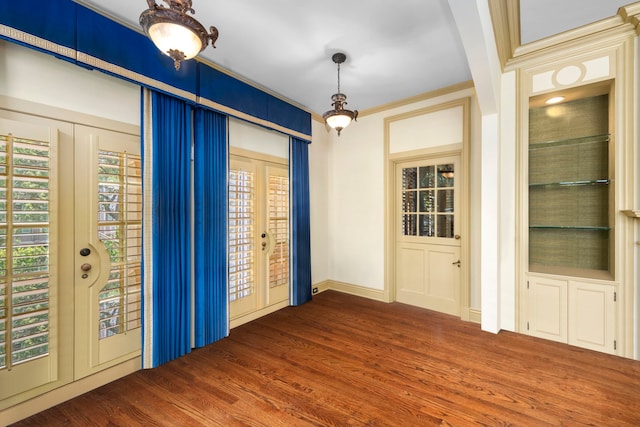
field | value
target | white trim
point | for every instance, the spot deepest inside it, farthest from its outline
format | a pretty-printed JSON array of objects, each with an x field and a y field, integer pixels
[
  {"x": 147, "y": 237},
  {"x": 50, "y": 399}
]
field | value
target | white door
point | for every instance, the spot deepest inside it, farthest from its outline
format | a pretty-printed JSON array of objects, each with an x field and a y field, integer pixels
[
  {"x": 258, "y": 238},
  {"x": 108, "y": 230},
  {"x": 428, "y": 212},
  {"x": 70, "y": 199},
  {"x": 35, "y": 350}
]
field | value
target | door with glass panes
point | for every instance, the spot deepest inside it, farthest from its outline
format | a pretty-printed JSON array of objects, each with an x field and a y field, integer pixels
[
  {"x": 258, "y": 237},
  {"x": 69, "y": 265},
  {"x": 427, "y": 269}
]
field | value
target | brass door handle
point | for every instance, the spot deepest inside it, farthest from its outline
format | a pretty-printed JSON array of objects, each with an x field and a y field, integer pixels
[
  {"x": 85, "y": 267},
  {"x": 456, "y": 263}
]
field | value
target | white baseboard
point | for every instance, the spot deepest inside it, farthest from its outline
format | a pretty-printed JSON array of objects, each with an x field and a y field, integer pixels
[
  {"x": 468, "y": 314},
  {"x": 361, "y": 291},
  {"x": 475, "y": 316},
  {"x": 54, "y": 397},
  {"x": 257, "y": 314}
]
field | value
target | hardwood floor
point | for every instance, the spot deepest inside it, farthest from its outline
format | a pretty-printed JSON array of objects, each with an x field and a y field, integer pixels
[{"x": 342, "y": 360}]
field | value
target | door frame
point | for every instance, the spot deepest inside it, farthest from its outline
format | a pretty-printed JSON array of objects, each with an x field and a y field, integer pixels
[
  {"x": 391, "y": 160},
  {"x": 268, "y": 309}
]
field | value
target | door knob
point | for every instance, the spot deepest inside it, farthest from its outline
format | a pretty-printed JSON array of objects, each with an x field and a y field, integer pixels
[
  {"x": 456, "y": 263},
  {"x": 85, "y": 267},
  {"x": 457, "y": 237},
  {"x": 85, "y": 251}
]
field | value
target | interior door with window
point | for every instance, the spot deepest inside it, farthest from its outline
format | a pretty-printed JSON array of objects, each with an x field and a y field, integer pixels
[
  {"x": 428, "y": 214},
  {"x": 258, "y": 237}
]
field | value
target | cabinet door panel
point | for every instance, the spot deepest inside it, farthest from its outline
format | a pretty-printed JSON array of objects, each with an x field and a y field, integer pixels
[
  {"x": 592, "y": 316},
  {"x": 547, "y": 306}
]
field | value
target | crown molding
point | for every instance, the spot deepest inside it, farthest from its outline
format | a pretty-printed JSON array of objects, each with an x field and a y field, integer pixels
[
  {"x": 631, "y": 14},
  {"x": 505, "y": 16},
  {"x": 408, "y": 101}
]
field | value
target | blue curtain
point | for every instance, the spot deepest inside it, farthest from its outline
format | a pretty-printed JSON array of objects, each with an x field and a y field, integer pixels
[
  {"x": 210, "y": 228},
  {"x": 300, "y": 222},
  {"x": 170, "y": 279}
]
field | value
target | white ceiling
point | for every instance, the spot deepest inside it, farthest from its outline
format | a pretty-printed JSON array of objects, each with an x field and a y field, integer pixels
[{"x": 395, "y": 49}]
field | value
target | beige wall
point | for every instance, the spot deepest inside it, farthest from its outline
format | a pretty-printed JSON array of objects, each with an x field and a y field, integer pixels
[
  {"x": 355, "y": 181},
  {"x": 33, "y": 76}
]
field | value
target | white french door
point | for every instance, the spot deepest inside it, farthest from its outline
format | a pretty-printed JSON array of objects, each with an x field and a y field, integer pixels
[
  {"x": 108, "y": 254},
  {"x": 34, "y": 348},
  {"x": 258, "y": 237},
  {"x": 70, "y": 224},
  {"x": 428, "y": 212}
]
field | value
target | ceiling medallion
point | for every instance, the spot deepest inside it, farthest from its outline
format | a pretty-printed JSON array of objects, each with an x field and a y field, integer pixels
[{"x": 175, "y": 33}]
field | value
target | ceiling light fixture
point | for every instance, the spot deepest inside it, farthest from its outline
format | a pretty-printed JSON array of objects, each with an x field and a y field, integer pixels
[
  {"x": 339, "y": 118},
  {"x": 175, "y": 33}
]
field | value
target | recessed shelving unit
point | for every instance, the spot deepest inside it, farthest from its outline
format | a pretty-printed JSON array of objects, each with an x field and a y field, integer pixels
[{"x": 570, "y": 188}]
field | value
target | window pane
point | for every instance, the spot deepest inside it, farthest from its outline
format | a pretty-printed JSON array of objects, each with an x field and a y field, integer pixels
[
  {"x": 427, "y": 201},
  {"x": 120, "y": 230},
  {"x": 427, "y": 177},
  {"x": 427, "y": 225},
  {"x": 409, "y": 178},
  {"x": 279, "y": 230},
  {"x": 445, "y": 226},
  {"x": 445, "y": 175},
  {"x": 409, "y": 225},
  {"x": 408, "y": 201},
  {"x": 24, "y": 250},
  {"x": 445, "y": 201},
  {"x": 241, "y": 232}
]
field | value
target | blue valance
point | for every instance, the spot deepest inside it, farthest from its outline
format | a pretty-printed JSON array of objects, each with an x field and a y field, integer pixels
[{"x": 81, "y": 35}]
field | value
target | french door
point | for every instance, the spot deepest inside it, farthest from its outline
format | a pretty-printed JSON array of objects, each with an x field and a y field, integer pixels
[
  {"x": 108, "y": 248},
  {"x": 70, "y": 224},
  {"x": 258, "y": 237},
  {"x": 428, "y": 213}
]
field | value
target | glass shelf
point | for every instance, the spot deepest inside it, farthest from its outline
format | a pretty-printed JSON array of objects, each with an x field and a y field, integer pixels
[
  {"x": 591, "y": 139},
  {"x": 568, "y": 227},
  {"x": 571, "y": 183}
]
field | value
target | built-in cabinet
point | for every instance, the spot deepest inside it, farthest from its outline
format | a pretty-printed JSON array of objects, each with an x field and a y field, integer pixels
[
  {"x": 576, "y": 312},
  {"x": 575, "y": 256}
]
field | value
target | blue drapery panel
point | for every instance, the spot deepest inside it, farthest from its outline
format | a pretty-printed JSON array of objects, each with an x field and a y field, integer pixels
[
  {"x": 169, "y": 292},
  {"x": 300, "y": 222},
  {"x": 54, "y": 21},
  {"x": 222, "y": 88},
  {"x": 210, "y": 227}
]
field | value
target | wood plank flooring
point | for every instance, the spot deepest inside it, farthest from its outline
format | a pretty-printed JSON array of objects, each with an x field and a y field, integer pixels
[{"x": 347, "y": 361}]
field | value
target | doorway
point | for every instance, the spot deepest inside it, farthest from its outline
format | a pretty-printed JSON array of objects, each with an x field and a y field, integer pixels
[
  {"x": 427, "y": 229},
  {"x": 70, "y": 223},
  {"x": 258, "y": 235}
]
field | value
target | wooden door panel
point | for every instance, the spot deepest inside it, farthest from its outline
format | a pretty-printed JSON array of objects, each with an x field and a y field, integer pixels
[
  {"x": 547, "y": 306},
  {"x": 428, "y": 213},
  {"x": 411, "y": 273},
  {"x": 592, "y": 316}
]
